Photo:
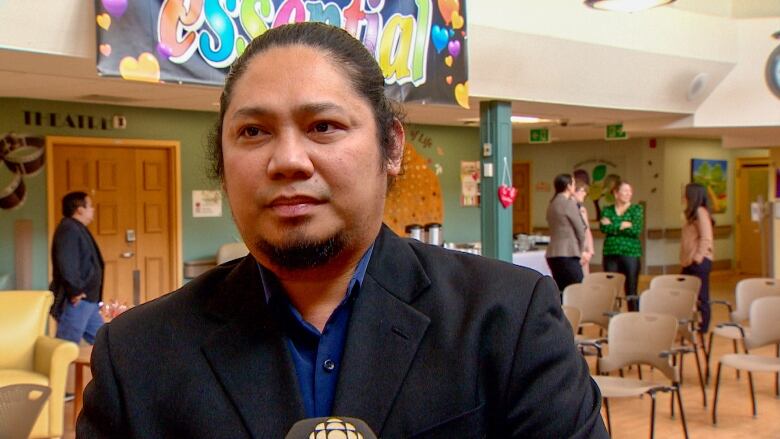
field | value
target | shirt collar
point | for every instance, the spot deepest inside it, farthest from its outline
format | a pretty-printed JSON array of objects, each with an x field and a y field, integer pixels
[{"x": 271, "y": 284}]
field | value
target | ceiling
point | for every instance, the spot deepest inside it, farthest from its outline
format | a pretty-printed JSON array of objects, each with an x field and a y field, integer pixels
[
  {"x": 62, "y": 78},
  {"x": 73, "y": 78}
]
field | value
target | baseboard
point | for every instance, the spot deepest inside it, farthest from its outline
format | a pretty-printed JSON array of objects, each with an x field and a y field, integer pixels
[{"x": 718, "y": 265}]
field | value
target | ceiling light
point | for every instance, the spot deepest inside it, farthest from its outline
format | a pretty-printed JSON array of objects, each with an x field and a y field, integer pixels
[
  {"x": 529, "y": 119},
  {"x": 516, "y": 120},
  {"x": 626, "y": 5}
]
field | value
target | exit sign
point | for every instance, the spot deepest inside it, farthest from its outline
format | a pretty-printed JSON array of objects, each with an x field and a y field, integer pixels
[
  {"x": 539, "y": 135},
  {"x": 615, "y": 132}
]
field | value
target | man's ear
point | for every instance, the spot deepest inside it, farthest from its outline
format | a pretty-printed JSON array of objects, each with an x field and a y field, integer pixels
[{"x": 396, "y": 152}]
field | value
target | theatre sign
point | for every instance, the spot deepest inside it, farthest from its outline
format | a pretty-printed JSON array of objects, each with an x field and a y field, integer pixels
[{"x": 421, "y": 45}]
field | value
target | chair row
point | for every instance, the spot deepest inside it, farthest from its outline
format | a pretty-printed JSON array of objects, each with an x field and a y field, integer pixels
[{"x": 649, "y": 331}]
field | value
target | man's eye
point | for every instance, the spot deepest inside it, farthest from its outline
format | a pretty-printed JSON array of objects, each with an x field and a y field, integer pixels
[
  {"x": 251, "y": 131},
  {"x": 322, "y": 127}
]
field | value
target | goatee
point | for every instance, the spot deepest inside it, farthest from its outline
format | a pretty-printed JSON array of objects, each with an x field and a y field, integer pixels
[{"x": 302, "y": 253}]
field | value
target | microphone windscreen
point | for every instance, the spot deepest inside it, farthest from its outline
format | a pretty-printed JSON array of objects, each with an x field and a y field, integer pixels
[{"x": 330, "y": 428}]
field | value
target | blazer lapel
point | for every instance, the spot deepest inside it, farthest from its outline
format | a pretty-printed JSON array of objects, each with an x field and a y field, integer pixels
[
  {"x": 250, "y": 358},
  {"x": 384, "y": 333}
]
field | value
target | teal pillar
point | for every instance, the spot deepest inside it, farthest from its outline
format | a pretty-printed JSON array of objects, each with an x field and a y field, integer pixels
[{"x": 495, "y": 130}]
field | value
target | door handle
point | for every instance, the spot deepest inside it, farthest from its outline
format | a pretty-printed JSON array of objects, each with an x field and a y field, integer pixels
[{"x": 127, "y": 255}]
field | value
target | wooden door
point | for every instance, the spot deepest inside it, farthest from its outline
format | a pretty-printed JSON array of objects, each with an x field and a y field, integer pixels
[
  {"x": 521, "y": 209},
  {"x": 752, "y": 183},
  {"x": 134, "y": 224},
  {"x": 153, "y": 222}
]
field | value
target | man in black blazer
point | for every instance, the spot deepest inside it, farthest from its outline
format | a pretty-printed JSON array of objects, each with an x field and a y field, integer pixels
[
  {"x": 77, "y": 272},
  {"x": 332, "y": 314}
]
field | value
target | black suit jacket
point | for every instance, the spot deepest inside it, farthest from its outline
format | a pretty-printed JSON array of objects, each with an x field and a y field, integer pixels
[
  {"x": 440, "y": 344},
  {"x": 77, "y": 264}
]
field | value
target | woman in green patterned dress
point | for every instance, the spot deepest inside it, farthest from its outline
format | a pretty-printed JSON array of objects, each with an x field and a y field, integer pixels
[{"x": 622, "y": 225}]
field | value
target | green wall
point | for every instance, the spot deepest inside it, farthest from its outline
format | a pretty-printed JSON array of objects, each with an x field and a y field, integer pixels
[
  {"x": 447, "y": 147},
  {"x": 202, "y": 237}
]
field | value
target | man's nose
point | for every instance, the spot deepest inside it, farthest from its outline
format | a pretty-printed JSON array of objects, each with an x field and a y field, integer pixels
[{"x": 290, "y": 157}]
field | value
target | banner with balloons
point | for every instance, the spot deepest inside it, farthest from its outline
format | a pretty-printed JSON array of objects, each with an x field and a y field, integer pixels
[{"x": 421, "y": 45}]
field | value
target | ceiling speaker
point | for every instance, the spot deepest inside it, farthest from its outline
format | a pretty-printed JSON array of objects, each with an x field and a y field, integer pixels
[{"x": 697, "y": 86}]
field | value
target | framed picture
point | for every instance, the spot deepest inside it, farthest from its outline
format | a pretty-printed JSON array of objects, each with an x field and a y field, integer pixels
[{"x": 713, "y": 175}]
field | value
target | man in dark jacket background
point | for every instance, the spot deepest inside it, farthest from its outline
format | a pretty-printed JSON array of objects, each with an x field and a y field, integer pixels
[{"x": 78, "y": 272}]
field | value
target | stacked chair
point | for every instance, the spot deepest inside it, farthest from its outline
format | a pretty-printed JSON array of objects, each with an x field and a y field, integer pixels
[
  {"x": 574, "y": 316},
  {"x": 747, "y": 291},
  {"x": 682, "y": 305},
  {"x": 616, "y": 281},
  {"x": 595, "y": 303},
  {"x": 637, "y": 338},
  {"x": 20, "y": 406},
  {"x": 764, "y": 330}
]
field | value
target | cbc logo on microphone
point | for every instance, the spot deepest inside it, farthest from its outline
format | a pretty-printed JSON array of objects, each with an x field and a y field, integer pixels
[{"x": 335, "y": 428}]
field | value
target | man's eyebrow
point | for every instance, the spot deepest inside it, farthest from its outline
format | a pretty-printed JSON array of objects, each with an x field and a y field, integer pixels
[
  {"x": 310, "y": 108},
  {"x": 251, "y": 112},
  {"x": 319, "y": 107}
]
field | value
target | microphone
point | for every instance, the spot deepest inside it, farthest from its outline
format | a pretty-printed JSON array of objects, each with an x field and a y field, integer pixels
[{"x": 330, "y": 428}]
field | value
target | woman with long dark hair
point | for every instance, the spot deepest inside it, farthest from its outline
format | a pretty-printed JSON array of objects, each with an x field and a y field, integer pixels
[
  {"x": 622, "y": 225},
  {"x": 696, "y": 243},
  {"x": 567, "y": 234}
]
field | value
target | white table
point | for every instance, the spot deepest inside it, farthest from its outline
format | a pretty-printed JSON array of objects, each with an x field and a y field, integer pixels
[{"x": 532, "y": 259}]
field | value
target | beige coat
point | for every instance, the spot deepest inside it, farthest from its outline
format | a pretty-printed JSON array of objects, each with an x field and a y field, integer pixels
[
  {"x": 696, "y": 240},
  {"x": 567, "y": 230}
]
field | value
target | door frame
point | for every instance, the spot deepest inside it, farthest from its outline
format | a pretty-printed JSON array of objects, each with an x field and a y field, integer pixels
[
  {"x": 530, "y": 193},
  {"x": 742, "y": 162},
  {"x": 174, "y": 170}
]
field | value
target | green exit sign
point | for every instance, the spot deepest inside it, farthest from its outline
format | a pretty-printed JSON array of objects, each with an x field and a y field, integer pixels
[
  {"x": 615, "y": 132},
  {"x": 539, "y": 135}
]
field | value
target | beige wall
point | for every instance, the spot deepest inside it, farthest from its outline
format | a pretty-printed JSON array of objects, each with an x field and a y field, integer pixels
[{"x": 657, "y": 174}]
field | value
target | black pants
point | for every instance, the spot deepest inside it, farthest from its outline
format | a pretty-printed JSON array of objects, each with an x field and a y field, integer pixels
[
  {"x": 565, "y": 271},
  {"x": 629, "y": 266},
  {"x": 702, "y": 271}
]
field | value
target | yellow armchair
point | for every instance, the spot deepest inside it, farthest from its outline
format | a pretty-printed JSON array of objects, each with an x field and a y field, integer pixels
[{"x": 27, "y": 355}]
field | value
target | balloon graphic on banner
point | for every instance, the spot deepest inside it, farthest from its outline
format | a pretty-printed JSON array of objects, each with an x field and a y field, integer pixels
[
  {"x": 197, "y": 43},
  {"x": 457, "y": 20},
  {"x": 145, "y": 68},
  {"x": 104, "y": 21},
  {"x": 115, "y": 7},
  {"x": 454, "y": 48},
  {"x": 447, "y": 7},
  {"x": 164, "y": 50},
  {"x": 440, "y": 37},
  {"x": 462, "y": 95}
]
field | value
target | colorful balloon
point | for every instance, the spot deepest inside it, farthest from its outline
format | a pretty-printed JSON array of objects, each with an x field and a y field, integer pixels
[
  {"x": 115, "y": 7},
  {"x": 454, "y": 48},
  {"x": 447, "y": 7},
  {"x": 163, "y": 50},
  {"x": 440, "y": 37}
]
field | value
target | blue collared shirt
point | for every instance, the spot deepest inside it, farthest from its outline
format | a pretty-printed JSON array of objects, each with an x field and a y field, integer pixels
[{"x": 317, "y": 357}]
